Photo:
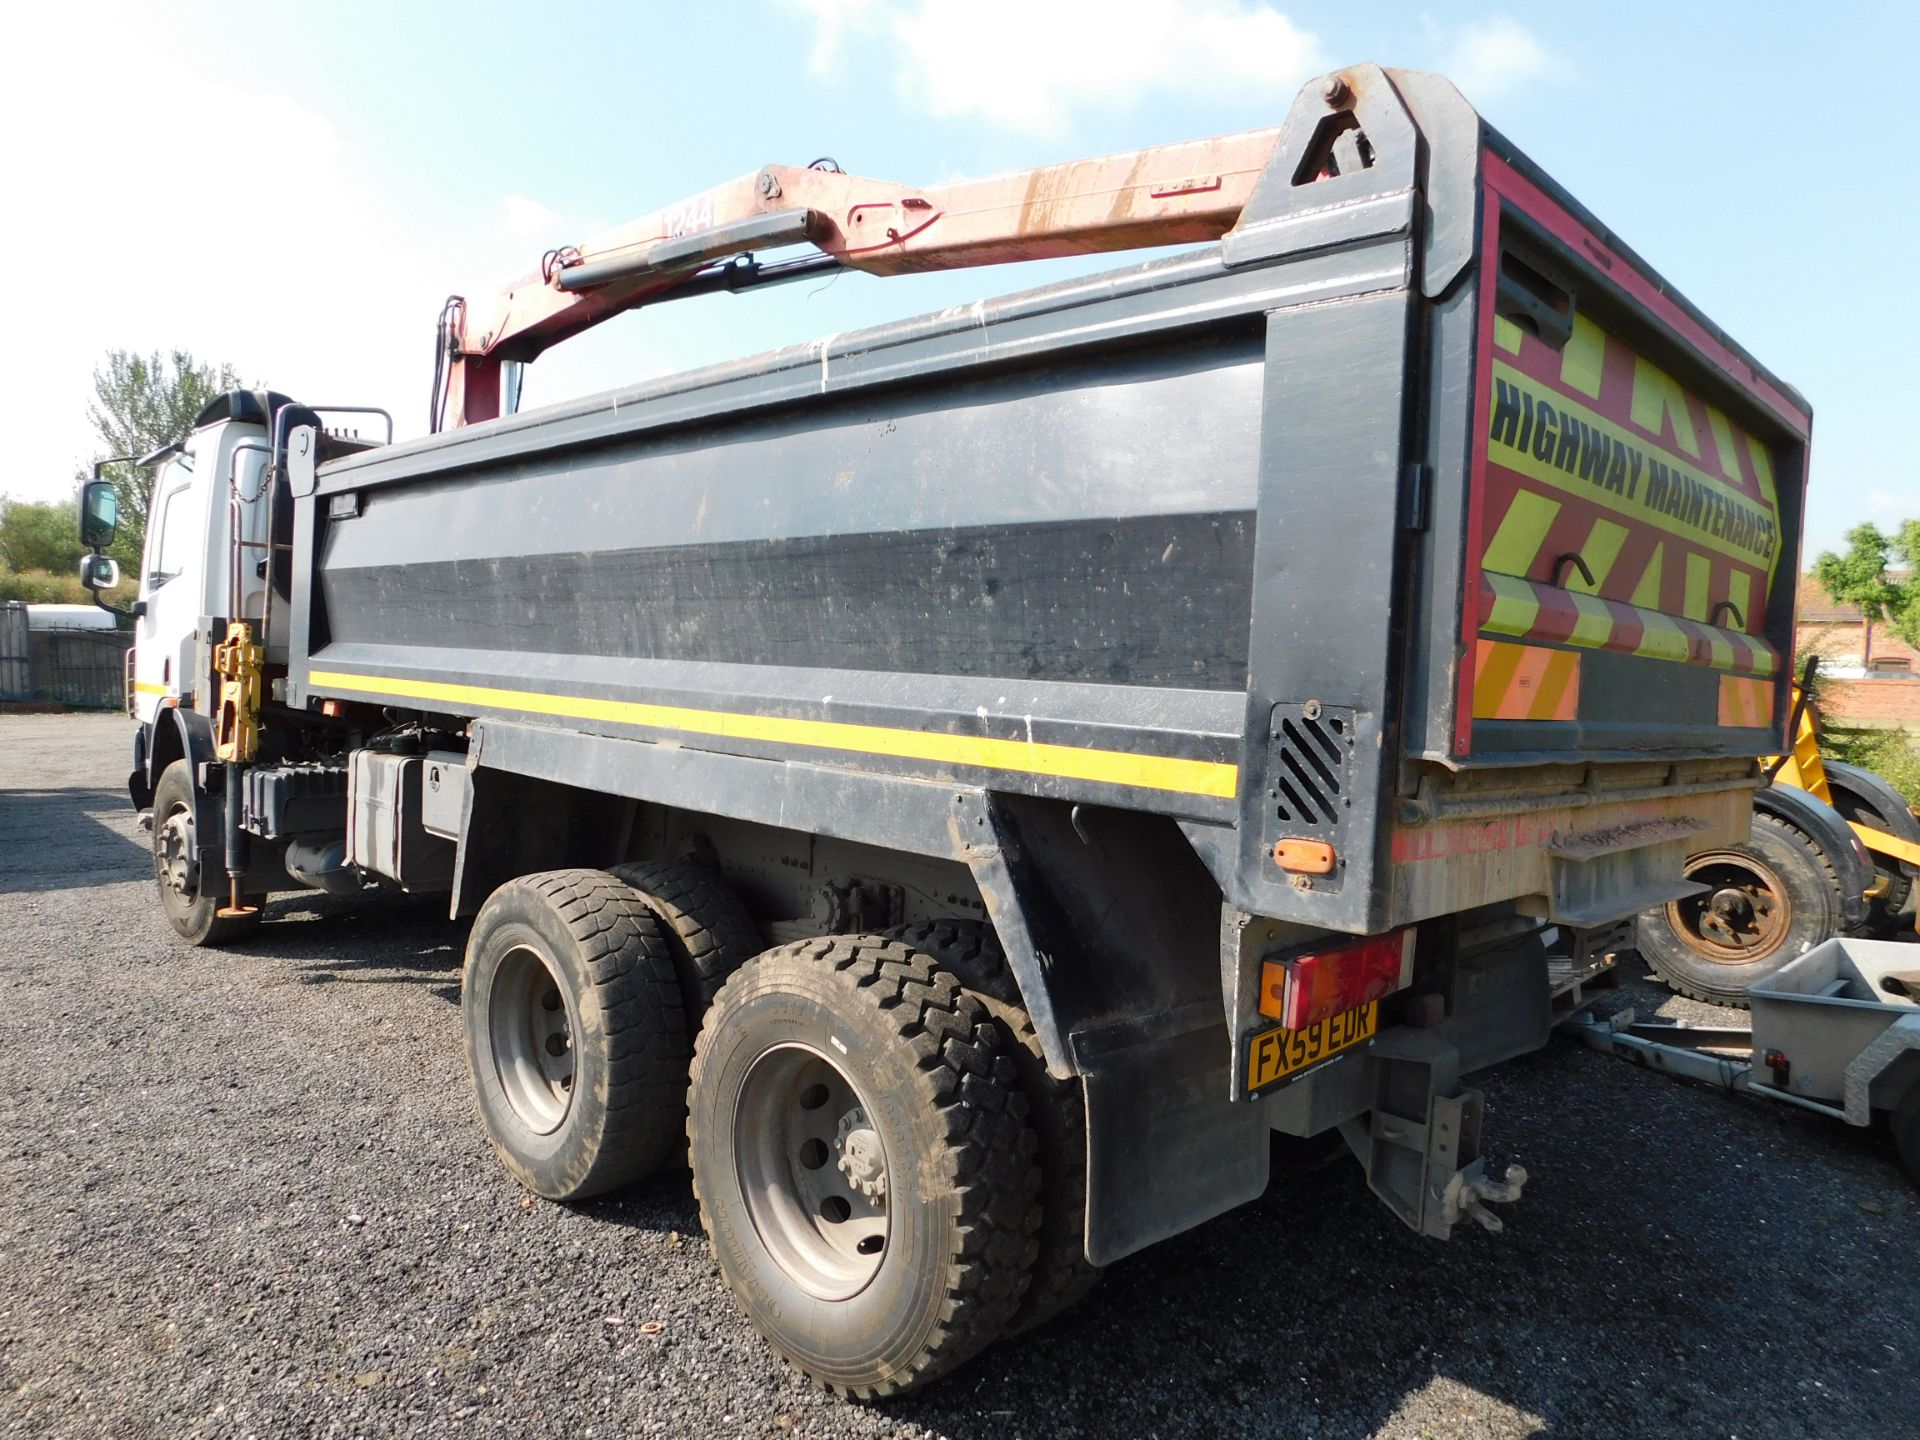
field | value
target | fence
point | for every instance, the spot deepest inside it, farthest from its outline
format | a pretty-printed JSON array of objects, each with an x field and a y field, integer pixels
[{"x": 82, "y": 668}]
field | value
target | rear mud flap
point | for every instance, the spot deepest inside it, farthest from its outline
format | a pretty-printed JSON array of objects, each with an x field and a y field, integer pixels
[{"x": 1166, "y": 1149}]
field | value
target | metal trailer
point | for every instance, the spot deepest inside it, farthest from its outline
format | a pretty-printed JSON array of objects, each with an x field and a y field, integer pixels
[
  {"x": 1836, "y": 1031},
  {"x": 1142, "y": 715}
]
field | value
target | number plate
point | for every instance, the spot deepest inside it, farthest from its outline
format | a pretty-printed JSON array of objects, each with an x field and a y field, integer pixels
[{"x": 1276, "y": 1055}]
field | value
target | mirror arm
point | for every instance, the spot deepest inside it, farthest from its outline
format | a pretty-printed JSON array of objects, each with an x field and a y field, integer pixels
[{"x": 139, "y": 607}]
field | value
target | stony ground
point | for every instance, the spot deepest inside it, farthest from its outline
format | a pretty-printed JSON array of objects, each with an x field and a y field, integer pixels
[{"x": 243, "y": 1193}]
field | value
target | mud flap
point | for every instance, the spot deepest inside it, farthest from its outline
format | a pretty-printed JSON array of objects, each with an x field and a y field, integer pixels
[{"x": 1166, "y": 1149}]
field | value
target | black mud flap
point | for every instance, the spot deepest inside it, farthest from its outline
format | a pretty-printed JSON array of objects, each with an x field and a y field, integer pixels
[{"x": 1166, "y": 1149}]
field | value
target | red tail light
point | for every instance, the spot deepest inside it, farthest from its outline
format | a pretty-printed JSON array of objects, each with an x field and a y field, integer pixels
[{"x": 1302, "y": 989}]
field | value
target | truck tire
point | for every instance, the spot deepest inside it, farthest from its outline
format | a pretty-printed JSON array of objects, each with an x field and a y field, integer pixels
[
  {"x": 190, "y": 907},
  {"x": 1770, "y": 901},
  {"x": 707, "y": 929},
  {"x": 970, "y": 951},
  {"x": 884, "y": 1268},
  {"x": 1887, "y": 900},
  {"x": 575, "y": 1034},
  {"x": 1904, "y": 1122}
]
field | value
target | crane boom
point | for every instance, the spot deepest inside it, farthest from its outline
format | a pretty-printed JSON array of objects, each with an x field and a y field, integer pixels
[{"x": 1164, "y": 195}]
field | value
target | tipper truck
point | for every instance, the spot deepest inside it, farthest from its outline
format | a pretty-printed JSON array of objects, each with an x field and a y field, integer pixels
[{"x": 982, "y": 787}]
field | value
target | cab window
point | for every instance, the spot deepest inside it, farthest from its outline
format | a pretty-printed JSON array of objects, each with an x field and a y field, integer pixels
[{"x": 170, "y": 528}]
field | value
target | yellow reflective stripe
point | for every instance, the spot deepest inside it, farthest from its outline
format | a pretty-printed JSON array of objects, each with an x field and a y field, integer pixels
[
  {"x": 147, "y": 687},
  {"x": 1740, "y": 592},
  {"x": 1595, "y": 623},
  {"x": 1585, "y": 357},
  {"x": 1111, "y": 767},
  {"x": 1515, "y": 606},
  {"x": 1699, "y": 573},
  {"x": 1602, "y": 549},
  {"x": 1523, "y": 530},
  {"x": 1506, "y": 334},
  {"x": 1662, "y": 639},
  {"x": 1646, "y": 594}
]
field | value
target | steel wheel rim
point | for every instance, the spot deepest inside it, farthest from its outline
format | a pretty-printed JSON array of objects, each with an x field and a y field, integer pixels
[
  {"x": 1745, "y": 915},
  {"x": 532, "y": 1028},
  {"x": 813, "y": 1171},
  {"x": 175, "y": 856}
]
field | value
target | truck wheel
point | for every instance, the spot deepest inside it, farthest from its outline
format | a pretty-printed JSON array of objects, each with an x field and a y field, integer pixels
[
  {"x": 1887, "y": 900},
  {"x": 575, "y": 1034},
  {"x": 707, "y": 929},
  {"x": 970, "y": 951},
  {"x": 1905, "y": 1125},
  {"x": 862, "y": 1161},
  {"x": 1768, "y": 901},
  {"x": 190, "y": 909}
]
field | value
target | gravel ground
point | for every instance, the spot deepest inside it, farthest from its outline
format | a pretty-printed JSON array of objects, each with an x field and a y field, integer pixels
[{"x": 243, "y": 1193}]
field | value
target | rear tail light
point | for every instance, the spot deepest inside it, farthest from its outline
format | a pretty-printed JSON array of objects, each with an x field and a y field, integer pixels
[{"x": 1299, "y": 990}]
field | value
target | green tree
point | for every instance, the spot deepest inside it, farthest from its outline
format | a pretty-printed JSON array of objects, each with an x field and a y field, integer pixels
[
  {"x": 143, "y": 403},
  {"x": 1880, "y": 574},
  {"x": 40, "y": 536}
]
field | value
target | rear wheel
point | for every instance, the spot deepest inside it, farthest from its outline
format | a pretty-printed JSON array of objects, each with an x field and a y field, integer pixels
[
  {"x": 189, "y": 897},
  {"x": 862, "y": 1161},
  {"x": 1767, "y": 902},
  {"x": 574, "y": 1033},
  {"x": 970, "y": 951},
  {"x": 707, "y": 929},
  {"x": 1887, "y": 900}
]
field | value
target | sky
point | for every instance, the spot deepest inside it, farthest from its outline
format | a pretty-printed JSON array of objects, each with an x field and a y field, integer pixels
[{"x": 293, "y": 189}]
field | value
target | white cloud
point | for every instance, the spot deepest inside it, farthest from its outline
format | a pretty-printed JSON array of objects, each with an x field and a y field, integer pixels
[
  {"x": 1491, "y": 58},
  {"x": 1033, "y": 64},
  {"x": 217, "y": 216}
]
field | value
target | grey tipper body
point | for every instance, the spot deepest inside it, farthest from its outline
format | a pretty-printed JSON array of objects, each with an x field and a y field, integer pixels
[{"x": 1055, "y": 612}]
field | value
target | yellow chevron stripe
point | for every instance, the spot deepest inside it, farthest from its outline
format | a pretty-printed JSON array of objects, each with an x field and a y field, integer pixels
[
  {"x": 1585, "y": 357},
  {"x": 1523, "y": 530},
  {"x": 1601, "y": 550},
  {"x": 1071, "y": 762},
  {"x": 1646, "y": 595},
  {"x": 1515, "y": 606}
]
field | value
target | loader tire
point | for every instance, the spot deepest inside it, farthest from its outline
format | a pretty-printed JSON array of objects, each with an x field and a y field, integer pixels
[
  {"x": 970, "y": 951},
  {"x": 190, "y": 899},
  {"x": 862, "y": 1161},
  {"x": 707, "y": 929},
  {"x": 1770, "y": 900},
  {"x": 1887, "y": 900},
  {"x": 575, "y": 1034}
]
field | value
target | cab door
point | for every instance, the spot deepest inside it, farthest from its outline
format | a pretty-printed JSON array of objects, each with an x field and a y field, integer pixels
[{"x": 173, "y": 585}]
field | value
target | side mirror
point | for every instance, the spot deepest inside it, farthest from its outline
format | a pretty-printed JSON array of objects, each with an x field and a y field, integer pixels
[
  {"x": 99, "y": 516},
  {"x": 99, "y": 572}
]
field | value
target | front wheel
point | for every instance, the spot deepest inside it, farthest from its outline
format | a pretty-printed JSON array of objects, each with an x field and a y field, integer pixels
[
  {"x": 862, "y": 1160},
  {"x": 1767, "y": 902},
  {"x": 189, "y": 897}
]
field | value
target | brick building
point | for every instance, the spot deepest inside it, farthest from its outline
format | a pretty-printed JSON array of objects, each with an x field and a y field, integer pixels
[{"x": 1873, "y": 676}]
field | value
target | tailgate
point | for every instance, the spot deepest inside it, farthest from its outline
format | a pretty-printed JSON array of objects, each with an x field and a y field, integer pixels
[{"x": 1634, "y": 517}]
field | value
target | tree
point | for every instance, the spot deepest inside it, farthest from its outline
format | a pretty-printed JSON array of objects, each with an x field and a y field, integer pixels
[
  {"x": 143, "y": 403},
  {"x": 40, "y": 536},
  {"x": 1868, "y": 577}
]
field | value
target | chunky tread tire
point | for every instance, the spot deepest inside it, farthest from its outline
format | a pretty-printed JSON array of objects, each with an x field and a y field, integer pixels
[
  {"x": 1813, "y": 889},
  {"x": 628, "y": 1103},
  {"x": 1062, "y": 1276},
  {"x": 936, "y": 1071},
  {"x": 1885, "y": 916},
  {"x": 199, "y": 924},
  {"x": 707, "y": 928}
]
